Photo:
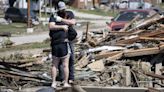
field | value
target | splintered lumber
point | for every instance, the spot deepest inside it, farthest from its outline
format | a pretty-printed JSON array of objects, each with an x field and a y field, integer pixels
[
  {"x": 14, "y": 71},
  {"x": 127, "y": 41},
  {"x": 7, "y": 65},
  {"x": 151, "y": 38},
  {"x": 92, "y": 41},
  {"x": 19, "y": 62},
  {"x": 27, "y": 64},
  {"x": 119, "y": 33},
  {"x": 17, "y": 72},
  {"x": 158, "y": 66},
  {"x": 135, "y": 77},
  {"x": 161, "y": 77},
  {"x": 144, "y": 51},
  {"x": 97, "y": 65},
  {"x": 30, "y": 64},
  {"x": 84, "y": 74},
  {"x": 22, "y": 78},
  {"x": 27, "y": 60},
  {"x": 127, "y": 33},
  {"x": 127, "y": 73},
  {"x": 149, "y": 22},
  {"x": 153, "y": 33},
  {"x": 82, "y": 62},
  {"x": 116, "y": 56},
  {"x": 130, "y": 23},
  {"x": 106, "y": 55},
  {"x": 143, "y": 36}
]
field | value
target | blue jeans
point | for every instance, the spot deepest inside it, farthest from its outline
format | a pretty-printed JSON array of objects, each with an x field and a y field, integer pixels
[{"x": 71, "y": 66}]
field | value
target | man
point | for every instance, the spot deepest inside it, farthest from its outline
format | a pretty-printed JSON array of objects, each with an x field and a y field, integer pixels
[{"x": 70, "y": 21}]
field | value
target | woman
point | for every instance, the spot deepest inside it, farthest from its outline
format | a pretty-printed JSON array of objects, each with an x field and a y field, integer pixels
[{"x": 60, "y": 47}]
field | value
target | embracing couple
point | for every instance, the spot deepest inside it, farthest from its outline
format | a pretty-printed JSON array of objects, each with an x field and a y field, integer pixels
[{"x": 62, "y": 33}]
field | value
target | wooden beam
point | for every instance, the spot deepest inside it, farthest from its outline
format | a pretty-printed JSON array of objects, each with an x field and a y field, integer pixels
[
  {"x": 148, "y": 23},
  {"x": 151, "y": 38},
  {"x": 106, "y": 55},
  {"x": 128, "y": 41},
  {"x": 158, "y": 66},
  {"x": 92, "y": 41},
  {"x": 161, "y": 77},
  {"x": 154, "y": 33},
  {"x": 119, "y": 33},
  {"x": 116, "y": 56},
  {"x": 141, "y": 52},
  {"x": 127, "y": 73}
]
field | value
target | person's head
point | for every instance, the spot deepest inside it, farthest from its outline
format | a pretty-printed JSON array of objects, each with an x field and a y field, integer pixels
[
  {"x": 61, "y": 9},
  {"x": 61, "y": 6}
]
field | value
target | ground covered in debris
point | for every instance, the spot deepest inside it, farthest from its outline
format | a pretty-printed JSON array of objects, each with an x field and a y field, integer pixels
[{"x": 132, "y": 57}]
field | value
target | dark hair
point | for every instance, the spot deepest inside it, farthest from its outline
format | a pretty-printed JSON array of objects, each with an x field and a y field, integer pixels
[{"x": 61, "y": 13}]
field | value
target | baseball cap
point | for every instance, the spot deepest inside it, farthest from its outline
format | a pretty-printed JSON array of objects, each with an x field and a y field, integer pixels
[{"x": 61, "y": 5}]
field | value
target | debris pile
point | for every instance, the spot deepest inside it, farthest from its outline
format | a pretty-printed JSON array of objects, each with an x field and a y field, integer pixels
[
  {"x": 19, "y": 71},
  {"x": 131, "y": 57}
]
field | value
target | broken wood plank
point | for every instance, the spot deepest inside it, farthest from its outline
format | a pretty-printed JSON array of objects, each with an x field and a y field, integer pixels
[
  {"x": 92, "y": 41},
  {"x": 153, "y": 33},
  {"x": 97, "y": 66},
  {"x": 151, "y": 38},
  {"x": 135, "y": 77},
  {"x": 158, "y": 66},
  {"x": 17, "y": 72},
  {"x": 23, "y": 78},
  {"x": 127, "y": 41},
  {"x": 127, "y": 73},
  {"x": 144, "y": 51},
  {"x": 116, "y": 56},
  {"x": 82, "y": 62},
  {"x": 119, "y": 33},
  {"x": 148, "y": 23},
  {"x": 161, "y": 77},
  {"x": 7, "y": 65},
  {"x": 106, "y": 55}
]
